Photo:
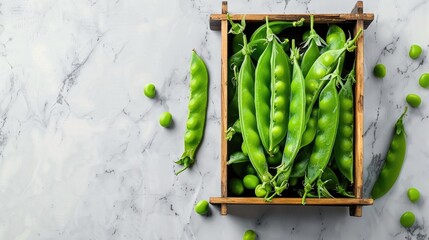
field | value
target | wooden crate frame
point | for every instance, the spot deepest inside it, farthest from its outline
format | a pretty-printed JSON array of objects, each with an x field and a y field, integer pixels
[{"x": 219, "y": 22}]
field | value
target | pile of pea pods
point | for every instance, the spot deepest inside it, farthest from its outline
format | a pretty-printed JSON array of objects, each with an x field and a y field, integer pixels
[{"x": 290, "y": 110}]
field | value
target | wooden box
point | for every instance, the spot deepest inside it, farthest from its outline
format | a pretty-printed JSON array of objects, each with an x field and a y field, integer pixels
[{"x": 351, "y": 21}]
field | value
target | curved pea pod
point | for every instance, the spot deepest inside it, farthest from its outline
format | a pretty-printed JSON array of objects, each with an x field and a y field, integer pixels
[
  {"x": 301, "y": 162},
  {"x": 324, "y": 64},
  {"x": 295, "y": 128},
  {"x": 335, "y": 39},
  {"x": 272, "y": 81},
  {"x": 343, "y": 148},
  {"x": 314, "y": 41},
  {"x": 329, "y": 182},
  {"x": 249, "y": 130},
  {"x": 276, "y": 28},
  {"x": 310, "y": 130},
  {"x": 326, "y": 132},
  {"x": 197, "y": 108},
  {"x": 394, "y": 160}
]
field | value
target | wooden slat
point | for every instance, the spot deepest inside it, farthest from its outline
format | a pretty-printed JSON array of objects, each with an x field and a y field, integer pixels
[
  {"x": 359, "y": 91},
  {"x": 291, "y": 201},
  {"x": 367, "y": 18},
  {"x": 224, "y": 116}
]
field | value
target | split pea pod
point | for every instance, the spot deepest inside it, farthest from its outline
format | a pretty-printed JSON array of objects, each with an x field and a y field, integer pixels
[
  {"x": 313, "y": 42},
  {"x": 326, "y": 132},
  {"x": 394, "y": 160},
  {"x": 272, "y": 81},
  {"x": 343, "y": 148},
  {"x": 325, "y": 64},
  {"x": 247, "y": 116},
  {"x": 296, "y": 125},
  {"x": 197, "y": 109}
]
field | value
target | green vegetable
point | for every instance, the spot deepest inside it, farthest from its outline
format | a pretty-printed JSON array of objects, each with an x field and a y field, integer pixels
[
  {"x": 305, "y": 35},
  {"x": 272, "y": 81},
  {"x": 343, "y": 148},
  {"x": 314, "y": 41},
  {"x": 165, "y": 119},
  {"x": 326, "y": 132},
  {"x": 202, "y": 207},
  {"x": 149, "y": 90},
  {"x": 249, "y": 235},
  {"x": 329, "y": 181},
  {"x": 379, "y": 70},
  {"x": 415, "y": 51},
  {"x": 275, "y": 160},
  {"x": 295, "y": 126},
  {"x": 237, "y": 157},
  {"x": 235, "y": 186},
  {"x": 197, "y": 109},
  {"x": 249, "y": 169},
  {"x": 237, "y": 29},
  {"x": 262, "y": 190},
  {"x": 424, "y": 80},
  {"x": 301, "y": 162},
  {"x": 231, "y": 131},
  {"x": 335, "y": 39},
  {"x": 276, "y": 28},
  {"x": 310, "y": 130},
  {"x": 394, "y": 160},
  {"x": 407, "y": 219},
  {"x": 246, "y": 107},
  {"x": 413, "y": 194},
  {"x": 250, "y": 181},
  {"x": 414, "y": 100}
]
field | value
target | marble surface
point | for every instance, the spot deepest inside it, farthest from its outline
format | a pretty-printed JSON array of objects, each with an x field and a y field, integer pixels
[{"x": 82, "y": 155}]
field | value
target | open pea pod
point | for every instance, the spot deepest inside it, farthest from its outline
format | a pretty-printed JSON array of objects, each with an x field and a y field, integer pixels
[{"x": 276, "y": 28}]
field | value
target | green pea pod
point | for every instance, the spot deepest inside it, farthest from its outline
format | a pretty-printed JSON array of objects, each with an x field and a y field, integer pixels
[
  {"x": 231, "y": 131},
  {"x": 314, "y": 41},
  {"x": 335, "y": 39},
  {"x": 326, "y": 132},
  {"x": 343, "y": 148},
  {"x": 249, "y": 129},
  {"x": 237, "y": 157},
  {"x": 237, "y": 29},
  {"x": 296, "y": 125},
  {"x": 197, "y": 109},
  {"x": 310, "y": 130},
  {"x": 301, "y": 162},
  {"x": 331, "y": 182},
  {"x": 276, "y": 28},
  {"x": 272, "y": 79},
  {"x": 325, "y": 64},
  {"x": 393, "y": 164}
]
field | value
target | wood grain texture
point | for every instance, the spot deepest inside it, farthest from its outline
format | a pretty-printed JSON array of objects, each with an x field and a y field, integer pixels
[
  {"x": 224, "y": 114},
  {"x": 358, "y": 134},
  {"x": 291, "y": 201},
  {"x": 367, "y": 18}
]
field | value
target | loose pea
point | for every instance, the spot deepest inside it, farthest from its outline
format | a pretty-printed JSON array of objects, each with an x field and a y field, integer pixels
[
  {"x": 235, "y": 186},
  {"x": 379, "y": 70},
  {"x": 408, "y": 219},
  {"x": 249, "y": 235},
  {"x": 165, "y": 119},
  {"x": 414, "y": 100},
  {"x": 413, "y": 194},
  {"x": 424, "y": 80},
  {"x": 250, "y": 181},
  {"x": 202, "y": 207},
  {"x": 149, "y": 90},
  {"x": 415, "y": 51}
]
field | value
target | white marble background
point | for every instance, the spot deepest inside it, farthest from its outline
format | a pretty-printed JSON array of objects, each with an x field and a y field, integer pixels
[{"x": 82, "y": 155}]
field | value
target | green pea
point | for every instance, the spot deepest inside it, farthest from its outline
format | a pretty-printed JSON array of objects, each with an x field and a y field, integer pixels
[
  {"x": 415, "y": 51},
  {"x": 413, "y": 194},
  {"x": 424, "y": 80},
  {"x": 235, "y": 186},
  {"x": 261, "y": 191},
  {"x": 249, "y": 235},
  {"x": 408, "y": 219},
  {"x": 414, "y": 100},
  {"x": 165, "y": 119},
  {"x": 202, "y": 207},
  {"x": 149, "y": 90},
  {"x": 250, "y": 181},
  {"x": 305, "y": 35},
  {"x": 379, "y": 70}
]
